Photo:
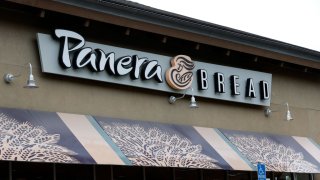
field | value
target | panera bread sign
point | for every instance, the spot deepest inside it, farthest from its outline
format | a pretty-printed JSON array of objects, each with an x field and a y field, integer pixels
[{"x": 67, "y": 53}]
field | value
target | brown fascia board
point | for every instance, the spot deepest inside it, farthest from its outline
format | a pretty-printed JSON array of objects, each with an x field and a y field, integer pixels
[{"x": 95, "y": 15}]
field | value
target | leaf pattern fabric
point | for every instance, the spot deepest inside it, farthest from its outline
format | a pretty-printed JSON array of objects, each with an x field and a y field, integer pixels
[
  {"x": 154, "y": 147},
  {"x": 25, "y": 142},
  {"x": 277, "y": 157}
]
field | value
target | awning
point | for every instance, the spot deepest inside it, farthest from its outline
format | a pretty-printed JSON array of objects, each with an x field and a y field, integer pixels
[
  {"x": 27, "y": 135},
  {"x": 279, "y": 153}
]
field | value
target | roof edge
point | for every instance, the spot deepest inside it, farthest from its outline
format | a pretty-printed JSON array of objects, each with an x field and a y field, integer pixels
[
  {"x": 135, "y": 12},
  {"x": 139, "y": 12}
]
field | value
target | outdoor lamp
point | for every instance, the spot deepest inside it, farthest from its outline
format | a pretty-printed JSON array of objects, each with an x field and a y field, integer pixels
[
  {"x": 31, "y": 83},
  {"x": 288, "y": 113},
  {"x": 193, "y": 103},
  {"x": 268, "y": 112}
]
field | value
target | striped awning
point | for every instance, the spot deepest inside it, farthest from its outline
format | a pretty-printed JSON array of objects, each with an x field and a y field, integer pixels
[
  {"x": 279, "y": 153},
  {"x": 27, "y": 135}
]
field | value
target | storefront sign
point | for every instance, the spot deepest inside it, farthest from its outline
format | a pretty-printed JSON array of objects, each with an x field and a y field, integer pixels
[
  {"x": 67, "y": 53},
  {"x": 179, "y": 75}
]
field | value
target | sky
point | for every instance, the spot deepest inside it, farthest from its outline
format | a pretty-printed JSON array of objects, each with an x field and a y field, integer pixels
[{"x": 292, "y": 21}]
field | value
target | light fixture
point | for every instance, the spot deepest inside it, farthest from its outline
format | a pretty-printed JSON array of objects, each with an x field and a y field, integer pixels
[
  {"x": 164, "y": 40},
  {"x": 268, "y": 112},
  {"x": 228, "y": 53},
  {"x": 193, "y": 103},
  {"x": 128, "y": 31},
  {"x": 197, "y": 47},
  {"x": 288, "y": 113},
  {"x": 42, "y": 13},
  {"x": 31, "y": 83},
  {"x": 86, "y": 23}
]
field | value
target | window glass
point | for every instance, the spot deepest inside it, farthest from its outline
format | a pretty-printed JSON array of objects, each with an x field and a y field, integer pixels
[
  {"x": 282, "y": 176},
  {"x": 239, "y": 175},
  {"x": 210, "y": 174},
  {"x": 4, "y": 166},
  {"x": 127, "y": 173},
  {"x": 302, "y": 176},
  {"x": 159, "y": 173},
  {"x": 103, "y": 172},
  {"x": 187, "y": 174},
  {"x": 74, "y": 172},
  {"x": 45, "y": 171},
  {"x": 32, "y": 171}
]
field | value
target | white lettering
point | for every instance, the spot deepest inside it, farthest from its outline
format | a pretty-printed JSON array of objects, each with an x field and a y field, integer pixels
[
  {"x": 64, "y": 54},
  {"x": 234, "y": 85},
  {"x": 250, "y": 92},
  {"x": 202, "y": 77}
]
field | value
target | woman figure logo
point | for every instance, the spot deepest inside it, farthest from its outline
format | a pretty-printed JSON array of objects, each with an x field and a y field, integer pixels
[{"x": 180, "y": 75}]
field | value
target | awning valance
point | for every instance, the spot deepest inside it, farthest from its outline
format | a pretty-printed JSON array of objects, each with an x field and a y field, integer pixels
[
  {"x": 27, "y": 135},
  {"x": 279, "y": 153}
]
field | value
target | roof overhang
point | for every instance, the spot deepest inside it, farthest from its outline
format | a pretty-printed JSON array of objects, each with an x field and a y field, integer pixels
[{"x": 137, "y": 16}]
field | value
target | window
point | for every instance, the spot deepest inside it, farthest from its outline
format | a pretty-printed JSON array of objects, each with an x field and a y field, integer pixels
[
  {"x": 159, "y": 173},
  {"x": 73, "y": 171},
  {"x": 32, "y": 171},
  {"x": 282, "y": 176},
  {"x": 103, "y": 172},
  {"x": 239, "y": 175},
  {"x": 187, "y": 174},
  {"x": 302, "y": 176},
  {"x": 209, "y": 174},
  {"x": 127, "y": 173},
  {"x": 49, "y": 171},
  {"x": 4, "y": 166}
]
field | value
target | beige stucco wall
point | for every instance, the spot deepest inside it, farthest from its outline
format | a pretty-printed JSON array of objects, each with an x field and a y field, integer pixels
[{"x": 56, "y": 93}]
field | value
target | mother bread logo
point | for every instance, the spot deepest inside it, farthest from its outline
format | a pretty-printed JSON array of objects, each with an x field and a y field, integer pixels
[{"x": 180, "y": 75}]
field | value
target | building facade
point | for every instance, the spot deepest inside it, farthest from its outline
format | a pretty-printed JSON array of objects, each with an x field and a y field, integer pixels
[{"x": 117, "y": 95}]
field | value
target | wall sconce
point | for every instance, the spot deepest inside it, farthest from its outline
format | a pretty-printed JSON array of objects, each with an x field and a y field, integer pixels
[
  {"x": 164, "y": 40},
  {"x": 228, "y": 53},
  {"x": 128, "y": 31},
  {"x": 268, "y": 112},
  {"x": 86, "y": 23},
  {"x": 197, "y": 47},
  {"x": 31, "y": 83},
  {"x": 193, "y": 103},
  {"x": 42, "y": 13},
  {"x": 288, "y": 113}
]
